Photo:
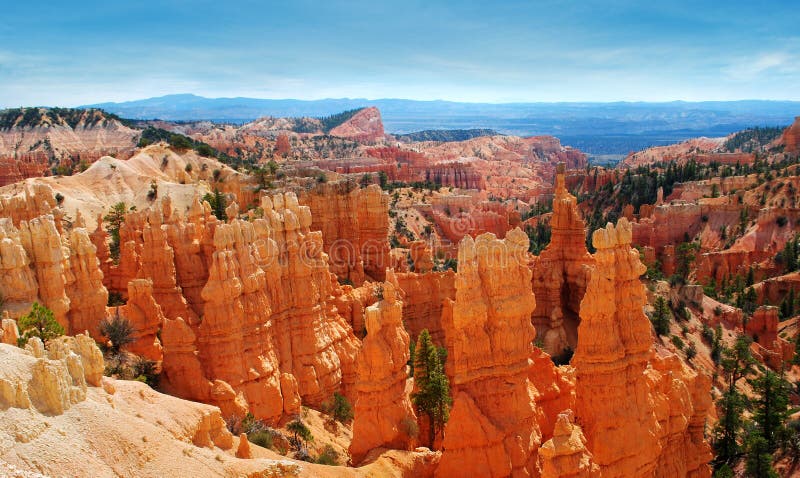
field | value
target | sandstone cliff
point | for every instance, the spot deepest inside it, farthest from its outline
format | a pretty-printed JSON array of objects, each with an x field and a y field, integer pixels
[
  {"x": 355, "y": 228},
  {"x": 366, "y": 125},
  {"x": 791, "y": 137}
]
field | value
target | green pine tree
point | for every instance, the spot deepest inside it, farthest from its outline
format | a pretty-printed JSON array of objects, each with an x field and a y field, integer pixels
[
  {"x": 771, "y": 406},
  {"x": 661, "y": 316},
  {"x": 432, "y": 397},
  {"x": 39, "y": 322}
]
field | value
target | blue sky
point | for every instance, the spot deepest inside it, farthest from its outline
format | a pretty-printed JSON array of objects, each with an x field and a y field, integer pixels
[{"x": 71, "y": 53}]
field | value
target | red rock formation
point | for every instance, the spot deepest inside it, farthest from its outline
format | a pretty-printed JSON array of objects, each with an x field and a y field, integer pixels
[
  {"x": 775, "y": 289},
  {"x": 366, "y": 125},
  {"x": 41, "y": 240},
  {"x": 87, "y": 295},
  {"x": 423, "y": 301},
  {"x": 492, "y": 429},
  {"x": 611, "y": 357},
  {"x": 612, "y": 379},
  {"x": 678, "y": 152},
  {"x": 355, "y": 228},
  {"x": 763, "y": 328},
  {"x": 146, "y": 317},
  {"x": 157, "y": 263},
  {"x": 314, "y": 343},
  {"x": 560, "y": 274},
  {"x": 565, "y": 455},
  {"x": 351, "y": 304},
  {"x": 682, "y": 403},
  {"x": 235, "y": 337},
  {"x": 282, "y": 145},
  {"x": 382, "y": 404},
  {"x": 554, "y": 390},
  {"x": 791, "y": 137}
]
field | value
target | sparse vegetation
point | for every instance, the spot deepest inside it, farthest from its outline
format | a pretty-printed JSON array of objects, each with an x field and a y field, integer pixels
[
  {"x": 118, "y": 331},
  {"x": 339, "y": 408}
]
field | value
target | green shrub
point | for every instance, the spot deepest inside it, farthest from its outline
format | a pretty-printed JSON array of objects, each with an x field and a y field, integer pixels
[
  {"x": 144, "y": 370},
  {"x": 677, "y": 342},
  {"x": 691, "y": 352},
  {"x": 118, "y": 330},
  {"x": 263, "y": 438},
  {"x": 328, "y": 456},
  {"x": 339, "y": 408}
]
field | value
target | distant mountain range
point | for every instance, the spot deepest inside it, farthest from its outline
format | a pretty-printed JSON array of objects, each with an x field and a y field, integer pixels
[{"x": 598, "y": 128}]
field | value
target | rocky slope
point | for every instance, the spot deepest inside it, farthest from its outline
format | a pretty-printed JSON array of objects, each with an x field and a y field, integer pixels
[{"x": 32, "y": 140}]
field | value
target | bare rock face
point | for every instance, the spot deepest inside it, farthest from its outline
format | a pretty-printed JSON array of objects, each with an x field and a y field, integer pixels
[
  {"x": 157, "y": 263},
  {"x": 560, "y": 274},
  {"x": 554, "y": 390},
  {"x": 87, "y": 295},
  {"x": 51, "y": 385},
  {"x": 269, "y": 333},
  {"x": 9, "y": 330},
  {"x": 235, "y": 337},
  {"x": 35, "y": 200},
  {"x": 424, "y": 296},
  {"x": 565, "y": 455},
  {"x": 763, "y": 328},
  {"x": 355, "y": 228},
  {"x": 17, "y": 280},
  {"x": 681, "y": 402},
  {"x": 314, "y": 343},
  {"x": 42, "y": 241},
  {"x": 366, "y": 125},
  {"x": 146, "y": 318},
  {"x": 791, "y": 137},
  {"x": 382, "y": 404},
  {"x": 421, "y": 256},
  {"x": 488, "y": 333}
]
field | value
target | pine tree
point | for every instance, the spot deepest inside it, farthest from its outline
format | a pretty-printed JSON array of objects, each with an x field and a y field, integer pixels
[
  {"x": 114, "y": 219},
  {"x": 771, "y": 406},
  {"x": 432, "y": 397},
  {"x": 661, "y": 316},
  {"x": 726, "y": 432},
  {"x": 39, "y": 322},
  {"x": 759, "y": 457}
]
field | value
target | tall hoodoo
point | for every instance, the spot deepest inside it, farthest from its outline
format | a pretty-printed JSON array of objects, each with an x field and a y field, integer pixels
[
  {"x": 560, "y": 273},
  {"x": 611, "y": 359},
  {"x": 42, "y": 241},
  {"x": 492, "y": 429},
  {"x": 382, "y": 404},
  {"x": 88, "y": 297}
]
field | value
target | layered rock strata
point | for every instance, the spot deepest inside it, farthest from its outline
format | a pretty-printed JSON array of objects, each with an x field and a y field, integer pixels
[
  {"x": 492, "y": 429},
  {"x": 560, "y": 274},
  {"x": 383, "y": 411}
]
